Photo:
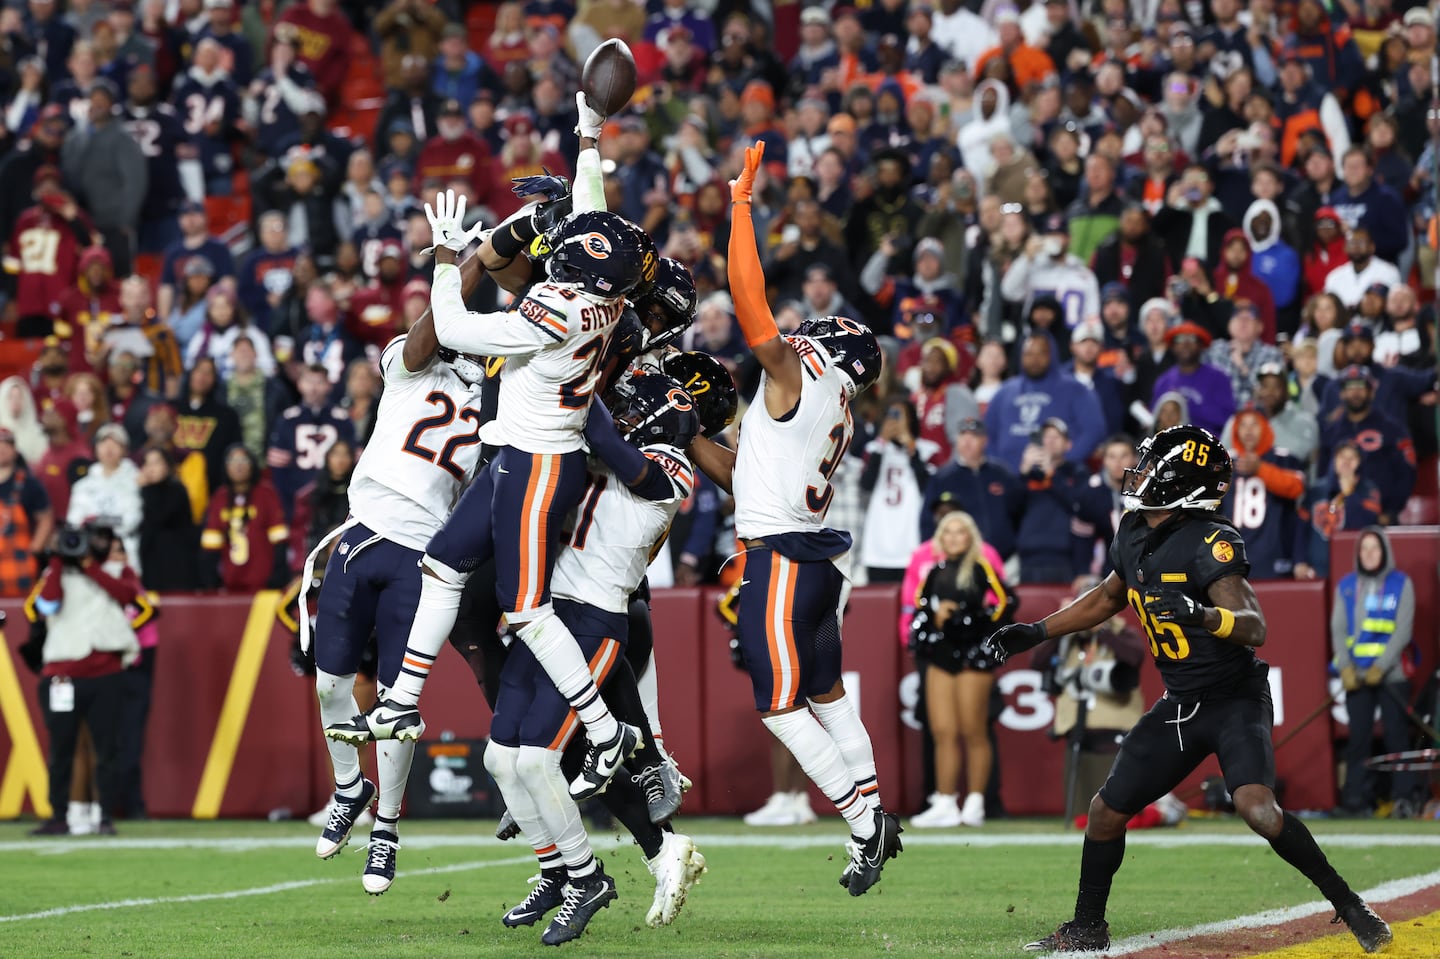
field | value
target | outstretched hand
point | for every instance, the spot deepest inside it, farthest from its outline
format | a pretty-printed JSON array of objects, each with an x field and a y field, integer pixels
[
  {"x": 551, "y": 186},
  {"x": 741, "y": 186},
  {"x": 447, "y": 220}
]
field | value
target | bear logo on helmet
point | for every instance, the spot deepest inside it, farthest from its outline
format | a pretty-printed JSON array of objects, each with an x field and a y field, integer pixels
[{"x": 596, "y": 245}]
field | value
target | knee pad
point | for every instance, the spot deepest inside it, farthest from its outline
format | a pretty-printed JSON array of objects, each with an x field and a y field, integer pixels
[
  {"x": 500, "y": 762},
  {"x": 534, "y": 763},
  {"x": 331, "y": 689}
]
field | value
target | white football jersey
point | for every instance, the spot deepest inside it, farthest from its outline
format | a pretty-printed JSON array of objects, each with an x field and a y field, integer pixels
[
  {"x": 613, "y": 533},
  {"x": 783, "y": 467},
  {"x": 422, "y": 454}
]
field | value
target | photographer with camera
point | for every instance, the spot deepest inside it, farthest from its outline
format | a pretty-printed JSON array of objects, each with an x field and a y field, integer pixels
[
  {"x": 963, "y": 601},
  {"x": 80, "y": 643}
]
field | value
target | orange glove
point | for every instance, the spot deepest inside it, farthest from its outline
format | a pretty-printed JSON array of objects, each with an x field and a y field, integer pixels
[{"x": 741, "y": 186}]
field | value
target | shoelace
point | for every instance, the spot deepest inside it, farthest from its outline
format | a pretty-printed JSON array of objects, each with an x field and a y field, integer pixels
[
  {"x": 340, "y": 817},
  {"x": 649, "y": 780},
  {"x": 571, "y": 902},
  {"x": 382, "y": 855},
  {"x": 857, "y": 856},
  {"x": 542, "y": 885}
]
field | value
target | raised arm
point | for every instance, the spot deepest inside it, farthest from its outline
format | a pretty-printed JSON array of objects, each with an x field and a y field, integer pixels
[
  {"x": 421, "y": 342},
  {"x": 747, "y": 285}
]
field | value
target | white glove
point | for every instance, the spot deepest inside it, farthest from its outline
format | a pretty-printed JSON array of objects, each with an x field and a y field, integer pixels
[
  {"x": 590, "y": 121},
  {"x": 447, "y": 223}
]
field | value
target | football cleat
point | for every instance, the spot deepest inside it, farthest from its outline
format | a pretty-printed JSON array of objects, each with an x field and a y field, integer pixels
[
  {"x": 321, "y": 816},
  {"x": 676, "y": 867},
  {"x": 1370, "y": 930},
  {"x": 583, "y": 898},
  {"x": 1074, "y": 936},
  {"x": 868, "y": 856},
  {"x": 52, "y": 827},
  {"x": 508, "y": 828},
  {"x": 663, "y": 792},
  {"x": 602, "y": 762},
  {"x": 549, "y": 893},
  {"x": 384, "y": 720},
  {"x": 380, "y": 865},
  {"x": 343, "y": 814}
]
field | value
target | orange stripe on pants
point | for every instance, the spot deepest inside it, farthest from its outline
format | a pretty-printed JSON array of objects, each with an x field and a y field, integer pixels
[
  {"x": 601, "y": 665},
  {"x": 781, "y": 637},
  {"x": 535, "y": 532}
]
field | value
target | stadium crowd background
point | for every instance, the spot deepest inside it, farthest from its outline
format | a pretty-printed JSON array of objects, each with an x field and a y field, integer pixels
[{"x": 1068, "y": 221}]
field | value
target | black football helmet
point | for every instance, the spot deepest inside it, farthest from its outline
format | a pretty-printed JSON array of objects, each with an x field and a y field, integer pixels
[
  {"x": 1183, "y": 467},
  {"x": 852, "y": 348},
  {"x": 652, "y": 408},
  {"x": 668, "y": 309},
  {"x": 709, "y": 383},
  {"x": 604, "y": 254}
]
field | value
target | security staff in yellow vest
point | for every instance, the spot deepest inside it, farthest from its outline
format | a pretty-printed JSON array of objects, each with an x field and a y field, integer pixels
[
  {"x": 1097, "y": 694},
  {"x": 1371, "y": 630}
]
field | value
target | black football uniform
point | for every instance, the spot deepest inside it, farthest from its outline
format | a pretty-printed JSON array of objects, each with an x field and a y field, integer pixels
[{"x": 1217, "y": 697}]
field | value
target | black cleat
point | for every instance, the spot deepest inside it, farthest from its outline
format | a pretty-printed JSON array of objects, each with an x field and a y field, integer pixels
[
  {"x": 343, "y": 813},
  {"x": 549, "y": 893},
  {"x": 507, "y": 828},
  {"x": 380, "y": 863},
  {"x": 661, "y": 785},
  {"x": 1370, "y": 930},
  {"x": 1074, "y": 936},
  {"x": 384, "y": 720},
  {"x": 602, "y": 762},
  {"x": 868, "y": 856},
  {"x": 583, "y": 898}
]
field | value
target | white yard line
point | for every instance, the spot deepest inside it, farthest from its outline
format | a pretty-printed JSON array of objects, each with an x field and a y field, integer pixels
[
  {"x": 254, "y": 891},
  {"x": 1385, "y": 892},
  {"x": 1159, "y": 839}
]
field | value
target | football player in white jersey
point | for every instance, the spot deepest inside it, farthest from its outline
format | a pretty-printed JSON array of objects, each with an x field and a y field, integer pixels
[
  {"x": 424, "y": 449},
  {"x": 635, "y": 487},
  {"x": 792, "y": 439},
  {"x": 554, "y": 343}
]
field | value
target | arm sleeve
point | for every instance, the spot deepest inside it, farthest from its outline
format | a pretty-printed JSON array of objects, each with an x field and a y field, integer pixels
[
  {"x": 872, "y": 277},
  {"x": 588, "y": 193},
  {"x": 624, "y": 460},
  {"x": 524, "y": 331},
  {"x": 51, "y": 594},
  {"x": 699, "y": 544},
  {"x": 747, "y": 280}
]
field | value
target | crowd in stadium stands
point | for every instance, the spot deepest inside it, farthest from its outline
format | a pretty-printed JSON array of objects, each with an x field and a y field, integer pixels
[{"x": 1071, "y": 222}]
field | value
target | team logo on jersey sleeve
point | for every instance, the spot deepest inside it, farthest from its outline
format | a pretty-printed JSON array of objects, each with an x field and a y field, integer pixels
[{"x": 1222, "y": 551}]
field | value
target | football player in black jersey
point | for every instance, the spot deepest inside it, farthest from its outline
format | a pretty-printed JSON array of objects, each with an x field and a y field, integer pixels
[{"x": 1182, "y": 568}]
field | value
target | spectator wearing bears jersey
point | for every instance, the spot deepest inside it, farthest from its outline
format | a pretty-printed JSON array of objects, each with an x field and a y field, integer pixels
[
  {"x": 171, "y": 159},
  {"x": 264, "y": 276},
  {"x": 304, "y": 435},
  {"x": 274, "y": 100},
  {"x": 195, "y": 241},
  {"x": 898, "y": 467},
  {"x": 207, "y": 98},
  {"x": 1396, "y": 387},
  {"x": 1261, "y": 503},
  {"x": 246, "y": 528},
  {"x": 1388, "y": 455},
  {"x": 234, "y": 48},
  {"x": 1344, "y": 500}
]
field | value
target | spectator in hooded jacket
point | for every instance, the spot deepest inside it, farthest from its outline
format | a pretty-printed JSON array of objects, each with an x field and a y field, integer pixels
[
  {"x": 1261, "y": 502},
  {"x": 1388, "y": 453},
  {"x": 1040, "y": 391},
  {"x": 1372, "y": 631},
  {"x": 1274, "y": 262},
  {"x": 1235, "y": 281}
]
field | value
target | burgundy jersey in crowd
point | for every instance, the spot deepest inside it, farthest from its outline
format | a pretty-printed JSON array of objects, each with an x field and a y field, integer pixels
[{"x": 44, "y": 250}]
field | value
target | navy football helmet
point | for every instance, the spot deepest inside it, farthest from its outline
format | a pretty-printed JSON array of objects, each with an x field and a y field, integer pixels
[
  {"x": 668, "y": 309},
  {"x": 604, "y": 254},
  {"x": 653, "y": 408},
  {"x": 709, "y": 383},
  {"x": 1183, "y": 467},
  {"x": 853, "y": 349}
]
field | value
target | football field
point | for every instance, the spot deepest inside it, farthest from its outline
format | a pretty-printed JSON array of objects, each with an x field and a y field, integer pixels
[{"x": 247, "y": 890}]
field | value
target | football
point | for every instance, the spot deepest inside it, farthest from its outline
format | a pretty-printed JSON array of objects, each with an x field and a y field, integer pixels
[{"x": 608, "y": 77}]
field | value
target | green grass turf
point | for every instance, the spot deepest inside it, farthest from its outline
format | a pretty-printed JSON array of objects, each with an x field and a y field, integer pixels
[{"x": 757, "y": 901}]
